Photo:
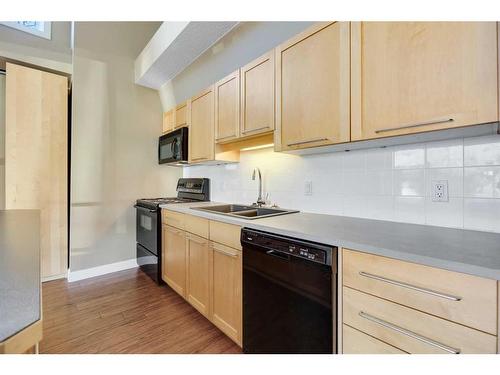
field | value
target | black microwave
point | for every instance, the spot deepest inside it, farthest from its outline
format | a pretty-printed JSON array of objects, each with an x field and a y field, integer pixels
[{"x": 173, "y": 147}]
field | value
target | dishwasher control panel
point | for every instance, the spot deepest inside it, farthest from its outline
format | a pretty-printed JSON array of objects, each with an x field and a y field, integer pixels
[{"x": 301, "y": 249}]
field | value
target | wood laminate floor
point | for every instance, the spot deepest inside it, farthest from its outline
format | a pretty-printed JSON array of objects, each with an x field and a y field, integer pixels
[{"x": 124, "y": 312}]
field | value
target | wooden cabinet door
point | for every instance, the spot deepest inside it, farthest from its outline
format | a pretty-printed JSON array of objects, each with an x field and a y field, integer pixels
[
  {"x": 181, "y": 115},
  {"x": 257, "y": 96},
  {"x": 201, "y": 132},
  {"x": 36, "y": 163},
  {"x": 198, "y": 278},
  {"x": 227, "y": 108},
  {"x": 168, "y": 121},
  {"x": 226, "y": 291},
  {"x": 409, "y": 77},
  {"x": 312, "y": 88},
  {"x": 174, "y": 258}
]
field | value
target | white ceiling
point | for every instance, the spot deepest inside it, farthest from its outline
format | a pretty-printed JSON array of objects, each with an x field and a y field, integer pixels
[{"x": 174, "y": 47}]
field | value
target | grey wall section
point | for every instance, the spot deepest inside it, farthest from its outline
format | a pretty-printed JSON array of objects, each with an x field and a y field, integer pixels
[
  {"x": 243, "y": 44},
  {"x": 115, "y": 131},
  {"x": 58, "y": 48},
  {"x": 2, "y": 141}
]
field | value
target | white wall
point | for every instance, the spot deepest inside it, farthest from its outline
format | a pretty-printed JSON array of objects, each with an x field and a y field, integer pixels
[
  {"x": 115, "y": 131},
  {"x": 390, "y": 183},
  {"x": 2, "y": 141},
  {"x": 54, "y": 53}
]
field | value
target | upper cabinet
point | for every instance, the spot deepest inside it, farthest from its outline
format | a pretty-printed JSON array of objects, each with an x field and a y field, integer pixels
[
  {"x": 201, "y": 131},
  {"x": 339, "y": 82},
  {"x": 312, "y": 88},
  {"x": 181, "y": 115},
  {"x": 410, "y": 77},
  {"x": 227, "y": 108},
  {"x": 168, "y": 121},
  {"x": 202, "y": 147},
  {"x": 257, "y": 96}
]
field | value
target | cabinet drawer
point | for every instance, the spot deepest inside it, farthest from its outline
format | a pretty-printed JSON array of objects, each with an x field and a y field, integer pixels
[
  {"x": 410, "y": 330},
  {"x": 357, "y": 342},
  {"x": 226, "y": 234},
  {"x": 458, "y": 297},
  {"x": 174, "y": 219},
  {"x": 196, "y": 225}
]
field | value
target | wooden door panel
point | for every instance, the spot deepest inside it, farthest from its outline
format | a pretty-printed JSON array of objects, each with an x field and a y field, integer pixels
[
  {"x": 312, "y": 86},
  {"x": 410, "y": 77},
  {"x": 257, "y": 95},
  {"x": 36, "y": 164}
]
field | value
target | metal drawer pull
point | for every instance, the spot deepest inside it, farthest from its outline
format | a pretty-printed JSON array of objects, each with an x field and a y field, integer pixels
[
  {"x": 409, "y": 286},
  {"x": 219, "y": 250},
  {"x": 254, "y": 130},
  {"x": 415, "y": 125},
  {"x": 409, "y": 333},
  {"x": 194, "y": 239},
  {"x": 309, "y": 141}
]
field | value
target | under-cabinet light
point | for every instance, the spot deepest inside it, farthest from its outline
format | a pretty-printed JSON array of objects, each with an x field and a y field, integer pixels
[{"x": 257, "y": 147}]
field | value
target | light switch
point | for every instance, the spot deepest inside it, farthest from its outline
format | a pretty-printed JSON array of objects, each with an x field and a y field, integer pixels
[{"x": 308, "y": 188}]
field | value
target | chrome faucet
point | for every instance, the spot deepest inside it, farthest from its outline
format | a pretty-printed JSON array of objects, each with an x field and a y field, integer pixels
[{"x": 260, "y": 201}]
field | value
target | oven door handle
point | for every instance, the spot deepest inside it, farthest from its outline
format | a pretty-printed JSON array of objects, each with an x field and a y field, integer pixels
[{"x": 144, "y": 208}]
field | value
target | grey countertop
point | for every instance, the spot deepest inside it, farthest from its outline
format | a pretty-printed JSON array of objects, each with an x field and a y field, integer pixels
[
  {"x": 19, "y": 270},
  {"x": 472, "y": 252}
]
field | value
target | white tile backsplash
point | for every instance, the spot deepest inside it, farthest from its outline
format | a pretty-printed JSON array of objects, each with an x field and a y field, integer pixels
[
  {"x": 482, "y": 182},
  {"x": 409, "y": 182},
  {"x": 482, "y": 150},
  {"x": 454, "y": 176},
  {"x": 482, "y": 214},
  {"x": 445, "y": 154},
  {"x": 392, "y": 183},
  {"x": 409, "y": 156}
]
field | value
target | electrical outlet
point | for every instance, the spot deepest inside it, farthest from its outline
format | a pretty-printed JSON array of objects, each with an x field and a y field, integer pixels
[
  {"x": 440, "y": 190},
  {"x": 308, "y": 188}
]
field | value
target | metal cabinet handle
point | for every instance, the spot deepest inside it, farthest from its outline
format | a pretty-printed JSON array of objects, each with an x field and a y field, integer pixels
[
  {"x": 194, "y": 239},
  {"x": 409, "y": 333},
  {"x": 219, "y": 250},
  {"x": 409, "y": 286},
  {"x": 308, "y": 141},
  {"x": 254, "y": 130},
  {"x": 415, "y": 125}
]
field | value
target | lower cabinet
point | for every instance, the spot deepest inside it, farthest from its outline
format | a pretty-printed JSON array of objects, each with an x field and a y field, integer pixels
[
  {"x": 392, "y": 306},
  {"x": 226, "y": 291},
  {"x": 208, "y": 274},
  {"x": 198, "y": 273},
  {"x": 174, "y": 258}
]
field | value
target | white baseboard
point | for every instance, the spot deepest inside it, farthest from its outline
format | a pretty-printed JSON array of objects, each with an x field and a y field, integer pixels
[
  {"x": 101, "y": 270},
  {"x": 54, "y": 277}
]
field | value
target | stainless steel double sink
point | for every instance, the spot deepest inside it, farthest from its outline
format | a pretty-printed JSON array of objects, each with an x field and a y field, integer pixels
[{"x": 244, "y": 212}]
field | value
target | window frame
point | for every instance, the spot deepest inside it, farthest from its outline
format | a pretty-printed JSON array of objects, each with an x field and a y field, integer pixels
[{"x": 46, "y": 33}]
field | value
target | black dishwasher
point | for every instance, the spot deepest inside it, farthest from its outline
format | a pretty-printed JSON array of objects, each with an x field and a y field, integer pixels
[{"x": 289, "y": 295}]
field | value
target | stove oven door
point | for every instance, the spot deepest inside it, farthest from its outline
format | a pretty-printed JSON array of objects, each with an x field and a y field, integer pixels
[{"x": 147, "y": 228}]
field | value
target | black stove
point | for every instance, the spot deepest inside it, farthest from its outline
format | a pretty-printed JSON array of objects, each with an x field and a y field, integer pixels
[
  {"x": 148, "y": 222},
  {"x": 154, "y": 203}
]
